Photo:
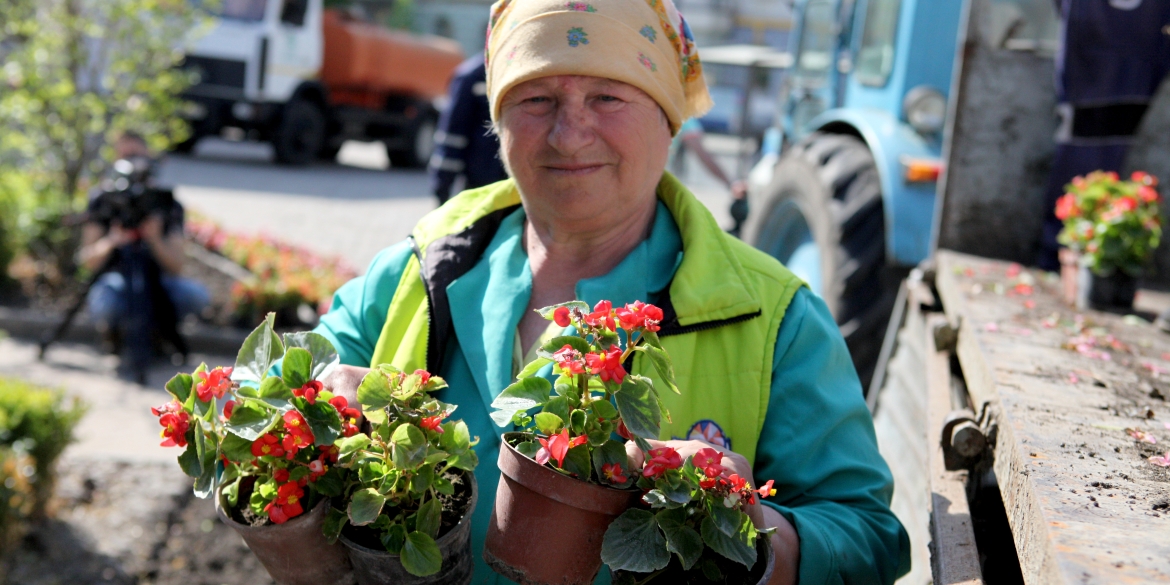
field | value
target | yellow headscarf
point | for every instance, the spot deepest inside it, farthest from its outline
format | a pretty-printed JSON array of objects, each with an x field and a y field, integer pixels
[{"x": 645, "y": 43}]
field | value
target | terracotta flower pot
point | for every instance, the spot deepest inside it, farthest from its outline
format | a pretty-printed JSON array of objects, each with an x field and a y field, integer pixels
[
  {"x": 759, "y": 574},
  {"x": 378, "y": 567},
  {"x": 546, "y": 527},
  {"x": 294, "y": 553},
  {"x": 1070, "y": 269}
]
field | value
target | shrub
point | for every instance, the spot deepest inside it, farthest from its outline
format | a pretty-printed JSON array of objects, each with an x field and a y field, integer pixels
[{"x": 36, "y": 424}]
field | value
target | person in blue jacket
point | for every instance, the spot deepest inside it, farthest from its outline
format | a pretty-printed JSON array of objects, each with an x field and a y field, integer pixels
[
  {"x": 464, "y": 144},
  {"x": 586, "y": 97}
]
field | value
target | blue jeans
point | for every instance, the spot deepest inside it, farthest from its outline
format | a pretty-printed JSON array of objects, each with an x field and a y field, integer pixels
[{"x": 107, "y": 298}]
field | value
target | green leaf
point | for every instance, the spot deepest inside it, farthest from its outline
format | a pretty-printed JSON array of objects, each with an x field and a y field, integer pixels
[
  {"x": 334, "y": 521},
  {"x": 502, "y": 418},
  {"x": 365, "y": 505},
  {"x": 347, "y": 446},
  {"x": 296, "y": 367},
  {"x": 680, "y": 538},
  {"x": 528, "y": 448},
  {"x": 613, "y": 452},
  {"x": 420, "y": 555},
  {"x": 408, "y": 446},
  {"x": 374, "y": 391},
  {"x": 523, "y": 395},
  {"x": 678, "y": 490},
  {"x": 208, "y": 448},
  {"x": 260, "y": 350},
  {"x": 236, "y": 448},
  {"x": 394, "y": 538},
  {"x": 633, "y": 542},
  {"x": 323, "y": 421},
  {"x": 548, "y": 423},
  {"x": 639, "y": 407},
  {"x": 662, "y": 363},
  {"x": 421, "y": 481},
  {"x": 249, "y": 421},
  {"x": 603, "y": 409},
  {"x": 533, "y": 367},
  {"x": 231, "y": 493},
  {"x": 444, "y": 486},
  {"x": 323, "y": 353},
  {"x": 429, "y": 519},
  {"x": 727, "y": 520},
  {"x": 651, "y": 339},
  {"x": 558, "y": 343},
  {"x": 180, "y": 387},
  {"x": 565, "y": 386},
  {"x": 331, "y": 484},
  {"x": 735, "y": 548},
  {"x": 189, "y": 459},
  {"x": 547, "y": 312},
  {"x": 577, "y": 462},
  {"x": 466, "y": 460},
  {"x": 456, "y": 438},
  {"x": 577, "y": 422},
  {"x": 559, "y": 406}
]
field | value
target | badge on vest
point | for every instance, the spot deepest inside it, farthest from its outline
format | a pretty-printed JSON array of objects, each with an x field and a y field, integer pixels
[{"x": 710, "y": 431}]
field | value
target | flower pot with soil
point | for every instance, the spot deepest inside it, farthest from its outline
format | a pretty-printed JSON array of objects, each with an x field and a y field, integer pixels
[
  {"x": 410, "y": 489},
  {"x": 693, "y": 526},
  {"x": 268, "y": 452},
  {"x": 1111, "y": 229},
  {"x": 565, "y": 478}
]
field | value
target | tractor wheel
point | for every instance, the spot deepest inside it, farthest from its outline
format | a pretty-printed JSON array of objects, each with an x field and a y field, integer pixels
[
  {"x": 822, "y": 217},
  {"x": 421, "y": 145},
  {"x": 300, "y": 133}
]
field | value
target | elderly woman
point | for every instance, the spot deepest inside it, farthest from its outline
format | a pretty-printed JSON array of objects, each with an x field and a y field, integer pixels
[{"x": 585, "y": 97}]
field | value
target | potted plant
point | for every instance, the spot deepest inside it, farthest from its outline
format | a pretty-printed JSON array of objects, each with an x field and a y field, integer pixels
[
  {"x": 1111, "y": 228},
  {"x": 692, "y": 527},
  {"x": 411, "y": 490},
  {"x": 564, "y": 477},
  {"x": 263, "y": 444}
]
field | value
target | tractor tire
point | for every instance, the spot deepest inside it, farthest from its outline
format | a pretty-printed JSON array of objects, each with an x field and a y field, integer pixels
[
  {"x": 422, "y": 145},
  {"x": 300, "y": 134},
  {"x": 822, "y": 217}
]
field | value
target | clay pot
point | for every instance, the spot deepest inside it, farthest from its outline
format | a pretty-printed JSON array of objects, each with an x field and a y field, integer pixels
[
  {"x": 546, "y": 527},
  {"x": 378, "y": 567},
  {"x": 1070, "y": 269},
  {"x": 294, "y": 553},
  {"x": 765, "y": 565},
  {"x": 1115, "y": 291}
]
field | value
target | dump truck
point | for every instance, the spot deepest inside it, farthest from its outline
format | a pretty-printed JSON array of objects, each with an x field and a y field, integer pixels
[{"x": 307, "y": 79}]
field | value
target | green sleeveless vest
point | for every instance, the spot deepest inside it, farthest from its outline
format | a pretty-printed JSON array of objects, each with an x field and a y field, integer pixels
[{"x": 723, "y": 311}]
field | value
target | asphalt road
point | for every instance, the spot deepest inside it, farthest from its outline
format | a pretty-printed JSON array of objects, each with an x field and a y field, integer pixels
[{"x": 351, "y": 208}]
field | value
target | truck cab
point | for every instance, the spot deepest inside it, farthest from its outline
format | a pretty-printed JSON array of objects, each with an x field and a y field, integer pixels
[{"x": 846, "y": 193}]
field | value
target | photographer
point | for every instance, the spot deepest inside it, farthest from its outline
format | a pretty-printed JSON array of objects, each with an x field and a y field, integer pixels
[{"x": 160, "y": 230}]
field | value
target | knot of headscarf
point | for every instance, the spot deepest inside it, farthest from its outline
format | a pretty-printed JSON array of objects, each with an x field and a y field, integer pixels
[{"x": 645, "y": 43}]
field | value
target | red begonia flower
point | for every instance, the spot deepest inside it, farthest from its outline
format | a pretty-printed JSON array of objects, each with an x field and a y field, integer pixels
[
  {"x": 623, "y": 431},
  {"x": 661, "y": 460},
  {"x": 425, "y": 375},
  {"x": 767, "y": 489},
  {"x": 339, "y": 402},
  {"x": 316, "y": 469},
  {"x": 267, "y": 444},
  {"x": 556, "y": 446},
  {"x": 608, "y": 365},
  {"x": 602, "y": 316},
  {"x": 214, "y": 383},
  {"x": 639, "y": 315},
  {"x": 707, "y": 483},
  {"x": 569, "y": 360},
  {"x": 172, "y": 406},
  {"x": 1148, "y": 194},
  {"x": 287, "y": 504},
  {"x": 1066, "y": 207},
  {"x": 228, "y": 408},
  {"x": 561, "y": 317},
  {"x": 296, "y": 425},
  {"x": 613, "y": 473},
  {"x": 309, "y": 391},
  {"x": 710, "y": 461},
  {"x": 280, "y": 475},
  {"x": 432, "y": 423},
  {"x": 175, "y": 425}
]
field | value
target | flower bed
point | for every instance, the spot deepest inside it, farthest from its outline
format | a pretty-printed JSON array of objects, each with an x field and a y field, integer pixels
[{"x": 287, "y": 277}]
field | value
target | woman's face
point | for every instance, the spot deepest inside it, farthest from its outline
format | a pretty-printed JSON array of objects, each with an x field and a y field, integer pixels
[{"x": 583, "y": 149}]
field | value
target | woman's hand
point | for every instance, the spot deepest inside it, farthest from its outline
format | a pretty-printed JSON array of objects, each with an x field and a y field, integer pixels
[
  {"x": 344, "y": 381},
  {"x": 785, "y": 541}
]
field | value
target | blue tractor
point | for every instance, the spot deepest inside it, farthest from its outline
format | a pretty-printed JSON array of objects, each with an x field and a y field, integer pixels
[{"x": 845, "y": 194}]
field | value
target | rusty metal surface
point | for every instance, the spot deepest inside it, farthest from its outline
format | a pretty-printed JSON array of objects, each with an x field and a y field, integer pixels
[
  {"x": 999, "y": 147},
  {"x": 1084, "y": 503}
]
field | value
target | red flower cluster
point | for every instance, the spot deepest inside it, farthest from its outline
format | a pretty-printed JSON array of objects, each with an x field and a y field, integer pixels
[
  {"x": 602, "y": 316},
  {"x": 309, "y": 391},
  {"x": 267, "y": 444},
  {"x": 557, "y": 447},
  {"x": 214, "y": 383},
  {"x": 613, "y": 473},
  {"x": 175, "y": 422},
  {"x": 661, "y": 460},
  {"x": 1067, "y": 207},
  {"x": 425, "y": 375},
  {"x": 287, "y": 504},
  {"x": 608, "y": 365},
  {"x": 640, "y": 315},
  {"x": 299, "y": 435},
  {"x": 570, "y": 360},
  {"x": 433, "y": 423},
  {"x": 710, "y": 462},
  {"x": 349, "y": 416}
]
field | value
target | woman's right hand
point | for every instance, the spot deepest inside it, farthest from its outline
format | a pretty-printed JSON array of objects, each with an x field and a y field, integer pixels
[{"x": 344, "y": 381}]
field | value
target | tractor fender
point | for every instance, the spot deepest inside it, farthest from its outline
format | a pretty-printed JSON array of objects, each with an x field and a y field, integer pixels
[{"x": 908, "y": 207}]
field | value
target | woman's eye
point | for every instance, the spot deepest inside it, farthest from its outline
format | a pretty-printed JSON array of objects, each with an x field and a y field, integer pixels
[
  {"x": 608, "y": 98},
  {"x": 540, "y": 99}
]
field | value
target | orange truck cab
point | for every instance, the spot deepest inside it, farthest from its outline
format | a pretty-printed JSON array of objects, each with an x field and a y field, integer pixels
[{"x": 307, "y": 79}]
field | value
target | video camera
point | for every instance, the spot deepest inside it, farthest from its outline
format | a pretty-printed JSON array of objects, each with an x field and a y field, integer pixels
[{"x": 130, "y": 195}]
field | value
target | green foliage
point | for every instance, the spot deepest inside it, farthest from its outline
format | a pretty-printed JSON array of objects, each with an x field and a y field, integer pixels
[
  {"x": 593, "y": 395},
  {"x": 397, "y": 471},
  {"x": 76, "y": 73},
  {"x": 1114, "y": 224},
  {"x": 35, "y": 424}
]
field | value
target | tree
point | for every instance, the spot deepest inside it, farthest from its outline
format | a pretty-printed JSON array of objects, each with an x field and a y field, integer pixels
[{"x": 76, "y": 73}]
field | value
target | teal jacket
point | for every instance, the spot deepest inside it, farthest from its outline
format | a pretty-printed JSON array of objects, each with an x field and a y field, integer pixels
[{"x": 817, "y": 443}]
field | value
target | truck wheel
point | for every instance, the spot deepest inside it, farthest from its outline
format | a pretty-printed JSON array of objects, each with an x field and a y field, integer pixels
[
  {"x": 422, "y": 145},
  {"x": 300, "y": 133},
  {"x": 822, "y": 217}
]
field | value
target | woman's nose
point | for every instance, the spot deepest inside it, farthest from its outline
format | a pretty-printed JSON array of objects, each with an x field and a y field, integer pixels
[{"x": 573, "y": 129}]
